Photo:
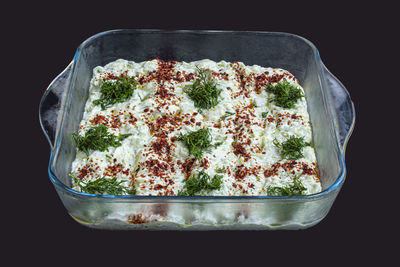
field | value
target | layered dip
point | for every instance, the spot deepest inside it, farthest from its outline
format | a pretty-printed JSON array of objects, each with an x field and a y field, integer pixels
[{"x": 201, "y": 128}]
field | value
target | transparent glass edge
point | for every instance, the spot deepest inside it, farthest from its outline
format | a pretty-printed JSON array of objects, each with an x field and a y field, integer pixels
[
  {"x": 71, "y": 85},
  {"x": 333, "y": 188},
  {"x": 324, "y": 85},
  {"x": 350, "y": 130},
  {"x": 43, "y": 98},
  {"x": 56, "y": 182}
]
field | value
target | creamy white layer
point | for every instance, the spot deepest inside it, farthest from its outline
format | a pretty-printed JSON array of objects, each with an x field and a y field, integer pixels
[{"x": 159, "y": 110}]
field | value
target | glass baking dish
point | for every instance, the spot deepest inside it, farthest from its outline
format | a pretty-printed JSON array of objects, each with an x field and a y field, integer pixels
[{"x": 330, "y": 107}]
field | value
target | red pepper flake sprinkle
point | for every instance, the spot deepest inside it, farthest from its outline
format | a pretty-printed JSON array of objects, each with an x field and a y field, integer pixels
[
  {"x": 220, "y": 75},
  {"x": 239, "y": 150},
  {"x": 84, "y": 171},
  {"x": 138, "y": 219},
  {"x": 291, "y": 166},
  {"x": 240, "y": 172},
  {"x": 243, "y": 171},
  {"x": 132, "y": 119},
  {"x": 205, "y": 163},
  {"x": 187, "y": 167},
  {"x": 156, "y": 167},
  {"x": 99, "y": 119},
  {"x": 189, "y": 77},
  {"x": 309, "y": 170},
  {"x": 115, "y": 122}
]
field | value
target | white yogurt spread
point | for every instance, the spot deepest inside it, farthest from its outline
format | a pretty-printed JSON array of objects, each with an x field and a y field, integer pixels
[{"x": 155, "y": 163}]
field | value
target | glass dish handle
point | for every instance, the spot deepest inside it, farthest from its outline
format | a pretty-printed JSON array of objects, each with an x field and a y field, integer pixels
[
  {"x": 51, "y": 103},
  {"x": 342, "y": 107}
]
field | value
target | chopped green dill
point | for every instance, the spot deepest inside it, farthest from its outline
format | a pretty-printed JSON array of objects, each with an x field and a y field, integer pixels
[
  {"x": 292, "y": 148},
  {"x": 227, "y": 114},
  {"x": 104, "y": 186},
  {"x": 218, "y": 144},
  {"x": 197, "y": 141},
  {"x": 297, "y": 188},
  {"x": 264, "y": 115},
  {"x": 203, "y": 181},
  {"x": 116, "y": 91},
  {"x": 285, "y": 94},
  {"x": 220, "y": 170},
  {"x": 97, "y": 138},
  {"x": 204, "y": 91}
]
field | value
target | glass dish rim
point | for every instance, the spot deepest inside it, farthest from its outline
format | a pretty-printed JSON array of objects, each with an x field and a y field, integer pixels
[{"x": 335, "y": 186}]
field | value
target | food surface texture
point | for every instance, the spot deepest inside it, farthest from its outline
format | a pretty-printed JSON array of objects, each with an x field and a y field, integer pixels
[{"x": 202, "y": 128}]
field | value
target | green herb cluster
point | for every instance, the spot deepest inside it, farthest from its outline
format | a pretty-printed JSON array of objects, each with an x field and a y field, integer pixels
[
  {"x": 292, "y": 148},
  {"x": 264, "y": 115},
  {"x": 97, "y": 138},
  {"x": 197, "y": 142},
  {"x": 204, "y": 91},
  {"x": 104, "y": 186},
  {"x": 297, "y": 188},
  {"x": 285, "y": 94},
  {"x": 220, "y": 170},
  {"x": 203, "y": 181},
  {"x": 116, "y": 91}
]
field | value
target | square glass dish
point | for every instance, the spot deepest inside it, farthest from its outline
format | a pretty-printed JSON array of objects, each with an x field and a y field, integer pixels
[{"x": 330, "y": 107}]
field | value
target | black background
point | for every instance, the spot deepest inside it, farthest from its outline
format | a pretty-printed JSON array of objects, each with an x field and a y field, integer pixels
[{"x": 355, "y": 43}]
